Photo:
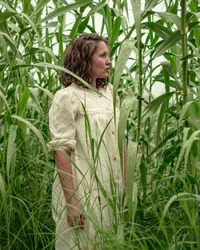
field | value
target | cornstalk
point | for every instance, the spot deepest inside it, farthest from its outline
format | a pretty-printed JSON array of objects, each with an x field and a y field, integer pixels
[
  {"x": 136, "y": 5},
  {"x": 184, "y": 30},
  {"x": 12, "y": 63},
  {"x": 150, "y": 85},
  {"x": 139, "y": 91}
]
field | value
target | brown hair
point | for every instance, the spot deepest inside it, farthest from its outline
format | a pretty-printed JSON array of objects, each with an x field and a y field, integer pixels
[{"x": 78, "y": 58}]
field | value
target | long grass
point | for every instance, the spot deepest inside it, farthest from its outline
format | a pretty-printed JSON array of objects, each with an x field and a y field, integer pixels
[{"x": 161, "y": 210}]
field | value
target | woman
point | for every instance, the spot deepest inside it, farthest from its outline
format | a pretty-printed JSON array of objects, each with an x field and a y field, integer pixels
[{"x": 84, "y": 139}]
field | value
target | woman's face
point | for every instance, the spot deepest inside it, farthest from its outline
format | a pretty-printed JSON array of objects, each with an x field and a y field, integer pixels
[{"x": 100, "y": 64}]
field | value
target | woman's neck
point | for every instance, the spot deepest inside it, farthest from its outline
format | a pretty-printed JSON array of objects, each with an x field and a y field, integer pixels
[{"x": 94, "y": 85}]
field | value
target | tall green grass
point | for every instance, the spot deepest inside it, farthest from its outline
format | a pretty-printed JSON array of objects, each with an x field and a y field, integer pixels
[{"x": 155, "y": 48}]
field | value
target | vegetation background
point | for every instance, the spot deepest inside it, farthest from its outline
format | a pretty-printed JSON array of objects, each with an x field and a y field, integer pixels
[{"x": 163, "y": 133}]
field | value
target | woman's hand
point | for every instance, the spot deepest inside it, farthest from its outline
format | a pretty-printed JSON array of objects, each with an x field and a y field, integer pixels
[{"x": 74, "y": 215}]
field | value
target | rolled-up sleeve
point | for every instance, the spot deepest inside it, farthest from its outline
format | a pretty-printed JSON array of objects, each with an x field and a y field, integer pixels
[{"x": 62, "y": 123}]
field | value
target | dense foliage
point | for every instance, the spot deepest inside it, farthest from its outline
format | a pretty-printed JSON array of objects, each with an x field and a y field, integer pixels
[{"x": 158, "y": 49}]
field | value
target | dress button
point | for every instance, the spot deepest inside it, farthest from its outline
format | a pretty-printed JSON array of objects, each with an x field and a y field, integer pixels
[
  {"x": 113, "y": 132},
  {"x": 115, "y": 158}
]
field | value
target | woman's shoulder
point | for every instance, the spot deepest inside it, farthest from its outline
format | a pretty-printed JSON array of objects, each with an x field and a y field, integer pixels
[
  {"x": 67, "y": 91},
  {"x": 65, "y": 95}
]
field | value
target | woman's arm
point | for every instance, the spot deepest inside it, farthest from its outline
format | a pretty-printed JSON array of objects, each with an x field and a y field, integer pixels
[{"x": 74, "y": 208}]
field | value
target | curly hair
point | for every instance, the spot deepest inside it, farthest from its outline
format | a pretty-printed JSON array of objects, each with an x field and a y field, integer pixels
[{"x": 78, "y": 60}]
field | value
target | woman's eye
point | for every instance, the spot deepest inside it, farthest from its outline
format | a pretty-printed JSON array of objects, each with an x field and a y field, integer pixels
[{"x": 103, "y": 55}]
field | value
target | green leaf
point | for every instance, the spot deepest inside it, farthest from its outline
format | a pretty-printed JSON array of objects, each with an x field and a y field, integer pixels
[
  {"x": 11, "y": 149},
  {"x": 159, "y": 29},
  {"x": 124, "y": 113},
  {"x": 9, "y": 40},
  {"x": 169, "y": 69},
  {"x": 4, "y": 99},
  {"x": 46, "y": 91},
  {"x": 93, "y": 10},
  {"x": 155, "y": 104},
  {"x": 174, "y": 198},
  {"x": 6, "y": 6},
  {"x": 97, "y": 7},
  {"x": 186, "y": 148},
  {"x": 23, "y": 101},
  {"x": 26, "y": 6},
  {"x": 171, "y": 18},
  {"x": 43, "y": 49},
  {"x": 74, "y": 29},
  {"x": 160, "y": 119},
  {"x": 3, "y": 46},
  {"x": 34, "y": 99},
  {"x": 168, "y": 43},
  {"x": 107, "y": 20},
  {"x": 4, "y": 199},
  {"x": 197, "y": 14},
  {"x": 169, "y": 136},
  {"x": 197, "y": 72},
  {"x": 32, "y": 25},
  {"x": 5, "y": 15},
  {"x": 194, "y": 121},
  {"x": 115, "y": 31},
  {"x": 56, "y": 67},
  {"x": 36, "y": 131},
  {"x": 185, "y": 109},
  {"x": 143, "y": 175},
  {"x": 124, "y": 53},
  {"x": 149, "y": 4},
  {"x": 131, "y": 184},
  {"x": 83, "y": 24},
  {"x": 136, "y": 6},
  {"x": 40, "y": 5},
  {"x": 62, "y": 10}
]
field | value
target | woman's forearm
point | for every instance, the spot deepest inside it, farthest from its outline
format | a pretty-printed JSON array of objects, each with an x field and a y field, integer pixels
[
  {"x": 64, "y": 165},
  {"x": 74, "y": 208}
]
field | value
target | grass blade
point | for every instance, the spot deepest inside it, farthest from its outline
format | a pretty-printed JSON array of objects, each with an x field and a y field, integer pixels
[
  {"x": 124, "y": 53},
  {"x": 131, "y": 188},
  {"x": 115, "y": 32},
  {"x": 171, "y": 18},
  {"x": 62, "y": 10},
  {"x": 159, "y": 29},
  {"x": 174, "y": 198},
  {"x": 155, "y": 104},
  {"x": 168, "y": 43},
  {"x": 160, "y": 120},
  {"x": 40, "y": 5},
  {"x": 136, "y": 6},
  {"x": 5, "y": 15},
  {"x": 23, "y": 101},
  {"x": 4, "y": 99},
  {"x": 36, "y": 131},
  {"x": 11, "y": 150},
  {"x": 4, "y": 203},
  {"x": 124, "y": 112},
  {"x": 56, "y": 67}
]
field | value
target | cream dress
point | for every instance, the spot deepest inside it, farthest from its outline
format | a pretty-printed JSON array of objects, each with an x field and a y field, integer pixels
[{"x": 83, "y": 121}]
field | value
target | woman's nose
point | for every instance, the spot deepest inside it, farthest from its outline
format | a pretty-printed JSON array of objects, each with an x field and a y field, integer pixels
[{"x": 108, "y": 61}]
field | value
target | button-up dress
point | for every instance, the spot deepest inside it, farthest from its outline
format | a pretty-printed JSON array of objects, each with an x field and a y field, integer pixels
[{"x": 82, "y": 121}]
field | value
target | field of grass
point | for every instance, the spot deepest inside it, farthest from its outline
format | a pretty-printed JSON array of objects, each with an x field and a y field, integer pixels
[{"x": 162, "y": 210}]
